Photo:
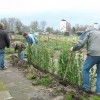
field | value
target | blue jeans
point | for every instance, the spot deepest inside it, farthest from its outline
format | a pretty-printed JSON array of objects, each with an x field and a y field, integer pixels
[
  {"x": 22, "y": 55},
  {"x": 88, "y": 64},
  {"x": 2, "y": 58}
]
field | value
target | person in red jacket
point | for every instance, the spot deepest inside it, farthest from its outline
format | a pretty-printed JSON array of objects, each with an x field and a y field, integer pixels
[{"x": 4, "y": 42}]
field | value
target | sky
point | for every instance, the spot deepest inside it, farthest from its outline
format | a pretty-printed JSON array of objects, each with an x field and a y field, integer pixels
[{"x": 82, "y": 12}]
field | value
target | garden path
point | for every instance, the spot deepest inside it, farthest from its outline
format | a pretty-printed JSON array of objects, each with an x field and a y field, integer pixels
[{"x": 19, "y": 88}]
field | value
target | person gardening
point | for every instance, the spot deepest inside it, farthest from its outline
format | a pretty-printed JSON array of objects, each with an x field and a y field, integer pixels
[
  {"x": 30, "y": 38},
  {"x": 20, "y": 46},
  {"x": 92, "y": 39},
  {"x": 4, "y": 42}
]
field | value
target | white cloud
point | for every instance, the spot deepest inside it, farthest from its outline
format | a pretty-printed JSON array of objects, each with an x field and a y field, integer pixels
[
  {"x": 75, "y": 11},
  {"x": 36, "y": 6},
  {"x": 96, "y": 17}
]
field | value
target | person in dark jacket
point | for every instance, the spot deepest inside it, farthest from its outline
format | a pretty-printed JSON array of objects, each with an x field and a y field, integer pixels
[
  {"x": 4, "y": 42},
  {"x": 92, "y": 39}
]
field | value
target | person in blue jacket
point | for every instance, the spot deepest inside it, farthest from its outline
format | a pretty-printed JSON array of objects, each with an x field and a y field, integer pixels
[{"x": 30, "y": 38}]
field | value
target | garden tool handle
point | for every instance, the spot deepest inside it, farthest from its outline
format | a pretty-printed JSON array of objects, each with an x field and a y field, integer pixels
[{"x": 69, "y": 60}]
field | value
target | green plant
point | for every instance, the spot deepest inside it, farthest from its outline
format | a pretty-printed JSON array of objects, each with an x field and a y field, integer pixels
[
  {"x": 69, "y": 96},
  {"x": 7, "y": 56},
  {"x": 46, "y": 81},
  {"x": 72, "y": 65},
  {"x": 44, "y": 57},
  {"x": 30, "y": 76},
  {"x": 94, "y": 98}
]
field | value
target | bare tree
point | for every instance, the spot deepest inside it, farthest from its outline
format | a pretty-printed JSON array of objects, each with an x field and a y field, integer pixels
[
  {"x": 49, "y": 29},
  {"x": 73, "y": 30},
  {"x": 80, "y": 27},
  {"x": 19, "y": 26},
  {"x": 12, "y": 23},
  {"x": 6, "y": 24},
  {"x": 34, "y": 25},
  {"x": 43, "y": 24},
  {"x": 68, "y": 25}
]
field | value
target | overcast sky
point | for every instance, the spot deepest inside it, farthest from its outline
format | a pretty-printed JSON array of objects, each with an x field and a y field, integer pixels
[{"x": 52, "y": 11}]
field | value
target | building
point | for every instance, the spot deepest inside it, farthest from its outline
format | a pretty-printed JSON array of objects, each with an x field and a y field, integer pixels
[{"x": 65, "y": 27}]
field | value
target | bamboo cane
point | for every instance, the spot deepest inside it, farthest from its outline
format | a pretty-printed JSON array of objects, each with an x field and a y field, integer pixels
[{"x": 64, "y": 78}]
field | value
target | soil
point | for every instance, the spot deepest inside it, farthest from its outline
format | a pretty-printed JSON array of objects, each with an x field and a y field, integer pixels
[{"x": 57, "y": 88}]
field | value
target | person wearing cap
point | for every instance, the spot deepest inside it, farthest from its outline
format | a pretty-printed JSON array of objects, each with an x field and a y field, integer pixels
[
  {"x": 92, "y": 39},
  {"x": 4, "y": 42}
]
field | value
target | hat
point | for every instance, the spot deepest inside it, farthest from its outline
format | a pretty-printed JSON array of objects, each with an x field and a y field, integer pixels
[{"x": 1, "y": 25}]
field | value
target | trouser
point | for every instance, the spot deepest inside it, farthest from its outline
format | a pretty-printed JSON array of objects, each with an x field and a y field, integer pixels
[
  {"x": 88, "y": 64},
  {"x": 2, "y": 58},
  {"x": 21, "y": 55}
]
